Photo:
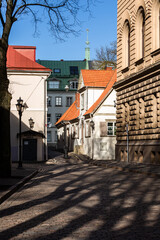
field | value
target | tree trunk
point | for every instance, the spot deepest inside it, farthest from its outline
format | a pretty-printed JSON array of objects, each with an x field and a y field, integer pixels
[
  {"x": 5, "y": 99},
  {"x": 5, "y": 155}
]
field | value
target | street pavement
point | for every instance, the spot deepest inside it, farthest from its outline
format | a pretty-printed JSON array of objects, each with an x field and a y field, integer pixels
[{"x": 68, "y": 200}]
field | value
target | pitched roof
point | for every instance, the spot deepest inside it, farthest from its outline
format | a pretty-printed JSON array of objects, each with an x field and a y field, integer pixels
[
  {"x": 18, "y": 61},
  {"x": 104, "y": 93},
  {"x": 97, "y": 78},
  {"x": 64, "y": 66},
  {"x": 72, "y": 112}
]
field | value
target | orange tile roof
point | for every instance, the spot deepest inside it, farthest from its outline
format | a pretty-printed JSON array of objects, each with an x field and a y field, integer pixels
[
  {"x": 72, "y": 112},
  {"x": 103, "y": 95},
  {"x": 17, "y": 61},
  {"x": 97, "y": 78}
]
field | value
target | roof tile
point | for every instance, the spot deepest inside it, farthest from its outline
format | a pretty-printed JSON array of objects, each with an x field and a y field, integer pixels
[
  {"x": 104, "y": 93},
  {"x": 97, "y": 78},
  {"x": 72, "y": 112},
  {"x": 17, "y": 61}
]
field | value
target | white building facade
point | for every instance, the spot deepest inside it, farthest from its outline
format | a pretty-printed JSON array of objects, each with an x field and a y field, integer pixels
[
  {"x": 93, "y": 132},
  {"x": 28, "y": 81}
]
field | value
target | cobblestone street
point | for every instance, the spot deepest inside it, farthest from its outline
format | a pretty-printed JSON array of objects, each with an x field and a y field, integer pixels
[{"x": 78, "y": 201}]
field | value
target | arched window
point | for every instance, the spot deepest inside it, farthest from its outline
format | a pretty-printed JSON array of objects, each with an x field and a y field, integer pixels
[
  {"x": 126, "y": 44},
  {"x": 140, "y": 34},
  {"x": 156, "y": 25}
]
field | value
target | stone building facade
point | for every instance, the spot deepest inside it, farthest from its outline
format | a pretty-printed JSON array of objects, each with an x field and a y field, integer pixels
[{"x": 138, "y": 80}]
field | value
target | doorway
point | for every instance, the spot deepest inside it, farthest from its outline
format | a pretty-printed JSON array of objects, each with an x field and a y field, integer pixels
[{"x": 30, "y": 150}]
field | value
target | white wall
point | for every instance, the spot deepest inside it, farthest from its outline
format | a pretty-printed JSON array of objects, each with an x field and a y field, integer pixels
[
  {"x": 103, "y": 147},
  {"x": 31, "y": 88}
]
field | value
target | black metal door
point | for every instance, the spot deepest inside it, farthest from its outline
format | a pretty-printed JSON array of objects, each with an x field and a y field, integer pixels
[{"x": 29, "y": 149}]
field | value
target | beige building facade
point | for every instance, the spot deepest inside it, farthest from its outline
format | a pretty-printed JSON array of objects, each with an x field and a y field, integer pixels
[{"x": 138, "y": 81}]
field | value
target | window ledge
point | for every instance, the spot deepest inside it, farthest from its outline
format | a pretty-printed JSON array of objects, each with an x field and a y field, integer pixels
[
  {"x": 124, "y": 70},
  {"x": 138, "y": 62},
  {"x": 156, "y": 52}
]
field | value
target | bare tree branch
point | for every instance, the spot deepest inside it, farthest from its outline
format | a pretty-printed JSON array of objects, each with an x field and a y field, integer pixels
[{"x": 107, "y": 56}]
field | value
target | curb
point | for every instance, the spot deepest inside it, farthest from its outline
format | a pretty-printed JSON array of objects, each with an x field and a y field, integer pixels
[{"x": 16, "y": 187}]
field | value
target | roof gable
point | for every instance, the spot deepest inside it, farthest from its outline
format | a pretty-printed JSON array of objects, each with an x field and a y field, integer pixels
[{"x": 103, "y": 95}]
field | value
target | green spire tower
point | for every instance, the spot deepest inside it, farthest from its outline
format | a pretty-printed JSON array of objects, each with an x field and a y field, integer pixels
[{"x": 87, "y": 52}]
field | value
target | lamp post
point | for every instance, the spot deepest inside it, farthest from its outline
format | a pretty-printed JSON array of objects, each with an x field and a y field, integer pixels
[
  {"x": 31, "y": 123},
  {"x": 20, "y": 108},
  {"x": 92, "y": 124}
]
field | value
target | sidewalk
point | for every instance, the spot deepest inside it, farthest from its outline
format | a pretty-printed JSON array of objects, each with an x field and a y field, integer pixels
[
  {"x": 147, "y": 169},
  {"x": 18, "y": 178}
]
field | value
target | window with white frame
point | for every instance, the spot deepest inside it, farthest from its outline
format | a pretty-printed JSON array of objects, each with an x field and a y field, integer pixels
[
  {"x": 53, "y": 84},
  {"x": 49, "y": 101},
  {"x": 58, "y": 101},
  {"x": 69, "y": 101},
  {"x": 111, "y": 128},
  {"x": 73, "y": 84},
  {"x": 49, "y": 136}
]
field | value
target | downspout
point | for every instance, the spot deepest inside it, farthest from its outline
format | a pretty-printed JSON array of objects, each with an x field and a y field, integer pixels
[{"x": 45, "y": 121}]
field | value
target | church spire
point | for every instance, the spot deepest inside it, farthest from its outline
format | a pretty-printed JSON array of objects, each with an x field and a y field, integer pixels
[{"x": 87, "y": 51}]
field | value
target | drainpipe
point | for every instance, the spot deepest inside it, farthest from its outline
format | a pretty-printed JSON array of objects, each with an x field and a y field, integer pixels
[{"x": 45, "y": 121}]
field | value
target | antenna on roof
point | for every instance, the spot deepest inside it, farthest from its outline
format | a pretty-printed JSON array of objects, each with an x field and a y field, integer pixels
[{"x": 87, "y": 51}]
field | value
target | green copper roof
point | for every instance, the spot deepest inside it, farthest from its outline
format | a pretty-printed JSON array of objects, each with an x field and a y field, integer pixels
[
  {"x": 64, "y": 71},
  {"x": 64, "y": 66}
]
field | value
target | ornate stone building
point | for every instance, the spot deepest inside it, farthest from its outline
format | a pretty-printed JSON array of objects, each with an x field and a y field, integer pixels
[{"x": 138, "y": 80}]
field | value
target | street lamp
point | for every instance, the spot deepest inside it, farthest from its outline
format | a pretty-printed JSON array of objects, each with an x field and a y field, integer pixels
[
  {"x": 92, "y": 125},
  {"x": 20, "y": 108},
  {"x": 31, "y": 123}
]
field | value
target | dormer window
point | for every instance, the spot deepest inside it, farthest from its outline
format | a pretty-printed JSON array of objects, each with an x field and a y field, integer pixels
[
  {"x": 73, "y": 70},
  {"x": 57, "y": 70},
  {"x": 53, "y": 84},
  {"x": 74, "y": 84}
]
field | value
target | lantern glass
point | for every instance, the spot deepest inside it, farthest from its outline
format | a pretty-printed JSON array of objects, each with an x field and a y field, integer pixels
[
  {"x": 18, "y": 106},
  {"x": 92, "y": 124},
  {"x": 66, "y": 88},
  {"x": 20, "y": 101}
]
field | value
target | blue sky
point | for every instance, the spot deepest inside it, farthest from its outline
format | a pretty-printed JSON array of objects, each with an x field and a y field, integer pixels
[{"x": 102, "y": 30}]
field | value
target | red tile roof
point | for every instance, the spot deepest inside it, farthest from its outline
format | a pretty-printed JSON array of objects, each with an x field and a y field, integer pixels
[
  {"x": 72, "y": 112},
  {"x": 104, "y": 94},
  {"x": 18, "y": 61},
  {"x": 97, "y": 78}
]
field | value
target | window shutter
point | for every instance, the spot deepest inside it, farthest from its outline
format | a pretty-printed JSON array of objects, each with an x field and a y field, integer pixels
[{"x": 103, "y": 129}]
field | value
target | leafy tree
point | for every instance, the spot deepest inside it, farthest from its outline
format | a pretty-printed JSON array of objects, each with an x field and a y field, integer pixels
[
  {"x": 107, "y": 56},
  {"x": 61, "y": 16}
]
